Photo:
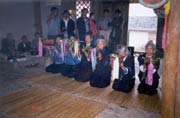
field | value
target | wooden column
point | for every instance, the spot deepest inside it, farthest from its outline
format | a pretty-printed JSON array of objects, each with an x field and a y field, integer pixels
[
  {"x": 171, "y": 69},
  {"x": 37, "y": 16},
  {"x": 160, "y": 27}
]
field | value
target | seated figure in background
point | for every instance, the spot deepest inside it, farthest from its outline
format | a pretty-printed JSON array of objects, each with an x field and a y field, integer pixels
[
  {"x": 24, "y": 45},
  {"x": 8, "y": 44}
]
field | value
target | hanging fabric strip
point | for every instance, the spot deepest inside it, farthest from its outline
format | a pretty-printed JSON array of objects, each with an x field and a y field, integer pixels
[
  {"x": 65, "y": 46},
  {"x": 76, "y": 47},
  {"x": 40, "y": 48},
  {"x": 149, "y": 79},
  {"x": 115, "y": 70},
  {"x": 62, "y": 50},
  {"x": 167, "y": 8},
  {"x": 164, "y": 37},
  {"x": 93, "y": 58}
]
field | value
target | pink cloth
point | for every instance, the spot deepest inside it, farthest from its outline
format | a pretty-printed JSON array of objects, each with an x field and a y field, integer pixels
[
  {"x": 149, "y": 79},
  {"x": 40, "y": 48}
]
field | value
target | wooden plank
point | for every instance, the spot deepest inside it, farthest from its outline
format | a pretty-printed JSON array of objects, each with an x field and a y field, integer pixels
[
  {"x": 47, "y": 104},
  {"x": 101, "y": 95}
]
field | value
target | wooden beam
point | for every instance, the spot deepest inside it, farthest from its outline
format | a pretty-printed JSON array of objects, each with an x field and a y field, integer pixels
[{"x": 171, "y": 72}]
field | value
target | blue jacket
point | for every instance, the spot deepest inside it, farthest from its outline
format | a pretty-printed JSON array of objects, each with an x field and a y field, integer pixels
[
  {"x": 57, "y": 58},
  {"x": 70, "y": 59}
]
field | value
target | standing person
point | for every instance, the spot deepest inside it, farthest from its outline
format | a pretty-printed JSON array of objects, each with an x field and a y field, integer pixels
[
  {"x": 83, "y": 24},
  {"x": 8, "y": 44},
  {"x": 53, "y": 23},
  {"x": 148, "y": 74},
  {"x": 67, "y": 26},
  {"x": 93, "y": 28},
  {"x": 24, "y": 45},
  {"x": 125, "y": 81},
  {"x": 104, "y": 25},
  {"x": 117, "y": 28}
]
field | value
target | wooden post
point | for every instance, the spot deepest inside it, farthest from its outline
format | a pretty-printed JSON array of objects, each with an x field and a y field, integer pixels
[
  {"x": 171, "y": 71},
  {"x": 37, "y": 16}
]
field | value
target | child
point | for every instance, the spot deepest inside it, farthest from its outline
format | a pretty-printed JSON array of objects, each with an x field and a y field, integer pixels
[
  {"x": 148, "y": 74},
  {"x": 71, "y": 58},
  {"x": 126, "y": 79},
  {"x": 57, "y": 53},
  {"x": 85, "y": 66},
  {"x": 101, "y": 74}
]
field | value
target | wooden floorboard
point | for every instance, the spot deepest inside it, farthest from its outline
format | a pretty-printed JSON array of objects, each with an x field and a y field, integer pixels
[
  {"x": 55, "y": 96},
  {"x": 42, "y": 103},
  {"x": 104, "y": 95}
]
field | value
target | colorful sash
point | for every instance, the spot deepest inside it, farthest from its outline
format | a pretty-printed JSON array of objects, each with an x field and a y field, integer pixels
[{"x": 149, "y": 79}]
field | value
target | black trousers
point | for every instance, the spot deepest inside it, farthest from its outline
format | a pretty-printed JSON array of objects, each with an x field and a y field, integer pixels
[
  {"x": 70, "y": 70},
  {"x": 125, "y": 85},
  {"x": 100, "y": 79},
  {"x": 147, "y": 89},
  {"x": 55, "y": 68}
]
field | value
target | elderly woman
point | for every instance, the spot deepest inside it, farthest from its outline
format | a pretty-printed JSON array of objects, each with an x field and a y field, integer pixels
[
  {"x": 101, "y": 74},
  {"x": 126, "y": 79},
  {"x": 148, "y": 74}
]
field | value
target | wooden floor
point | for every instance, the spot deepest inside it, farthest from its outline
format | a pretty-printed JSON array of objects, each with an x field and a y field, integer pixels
[{"x": 55, "y": 96}]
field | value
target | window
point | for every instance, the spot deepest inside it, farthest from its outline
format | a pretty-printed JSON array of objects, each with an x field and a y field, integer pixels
[{"x": 80, "y": 4}]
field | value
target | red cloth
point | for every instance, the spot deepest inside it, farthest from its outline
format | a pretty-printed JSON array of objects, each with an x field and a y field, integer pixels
[
  {"x": 164, "y": 37},
  {"x": 93, "y": 27}
]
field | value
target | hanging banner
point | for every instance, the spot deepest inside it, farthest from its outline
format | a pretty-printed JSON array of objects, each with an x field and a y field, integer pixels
[{"x": 154, "y": 4}]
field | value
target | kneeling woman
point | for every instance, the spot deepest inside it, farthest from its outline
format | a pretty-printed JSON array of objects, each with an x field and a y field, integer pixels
[
  {"x": 57, "y": 55},
  {"x": 126, "y": 78},
  {"x": 148, "y": 74},
  {"x": 71, "y": 58},
  {"x": 101, "y": 74},
  {"x": 85, "y": 71}
]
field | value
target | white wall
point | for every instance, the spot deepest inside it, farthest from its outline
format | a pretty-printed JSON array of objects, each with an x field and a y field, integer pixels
[
  {"x": 17, "y": 18},
  {"x": 138, "y": 39}
]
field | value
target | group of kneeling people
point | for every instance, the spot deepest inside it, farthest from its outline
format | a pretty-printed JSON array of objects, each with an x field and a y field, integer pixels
[{"x": 87, "y": 62}]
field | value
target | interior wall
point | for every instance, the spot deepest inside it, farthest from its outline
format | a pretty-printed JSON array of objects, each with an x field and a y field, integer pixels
[{"x": 17, "y": 18}]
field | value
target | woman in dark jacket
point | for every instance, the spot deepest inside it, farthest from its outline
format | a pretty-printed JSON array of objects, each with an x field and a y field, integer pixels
[{"x": 126, "y": 79}]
